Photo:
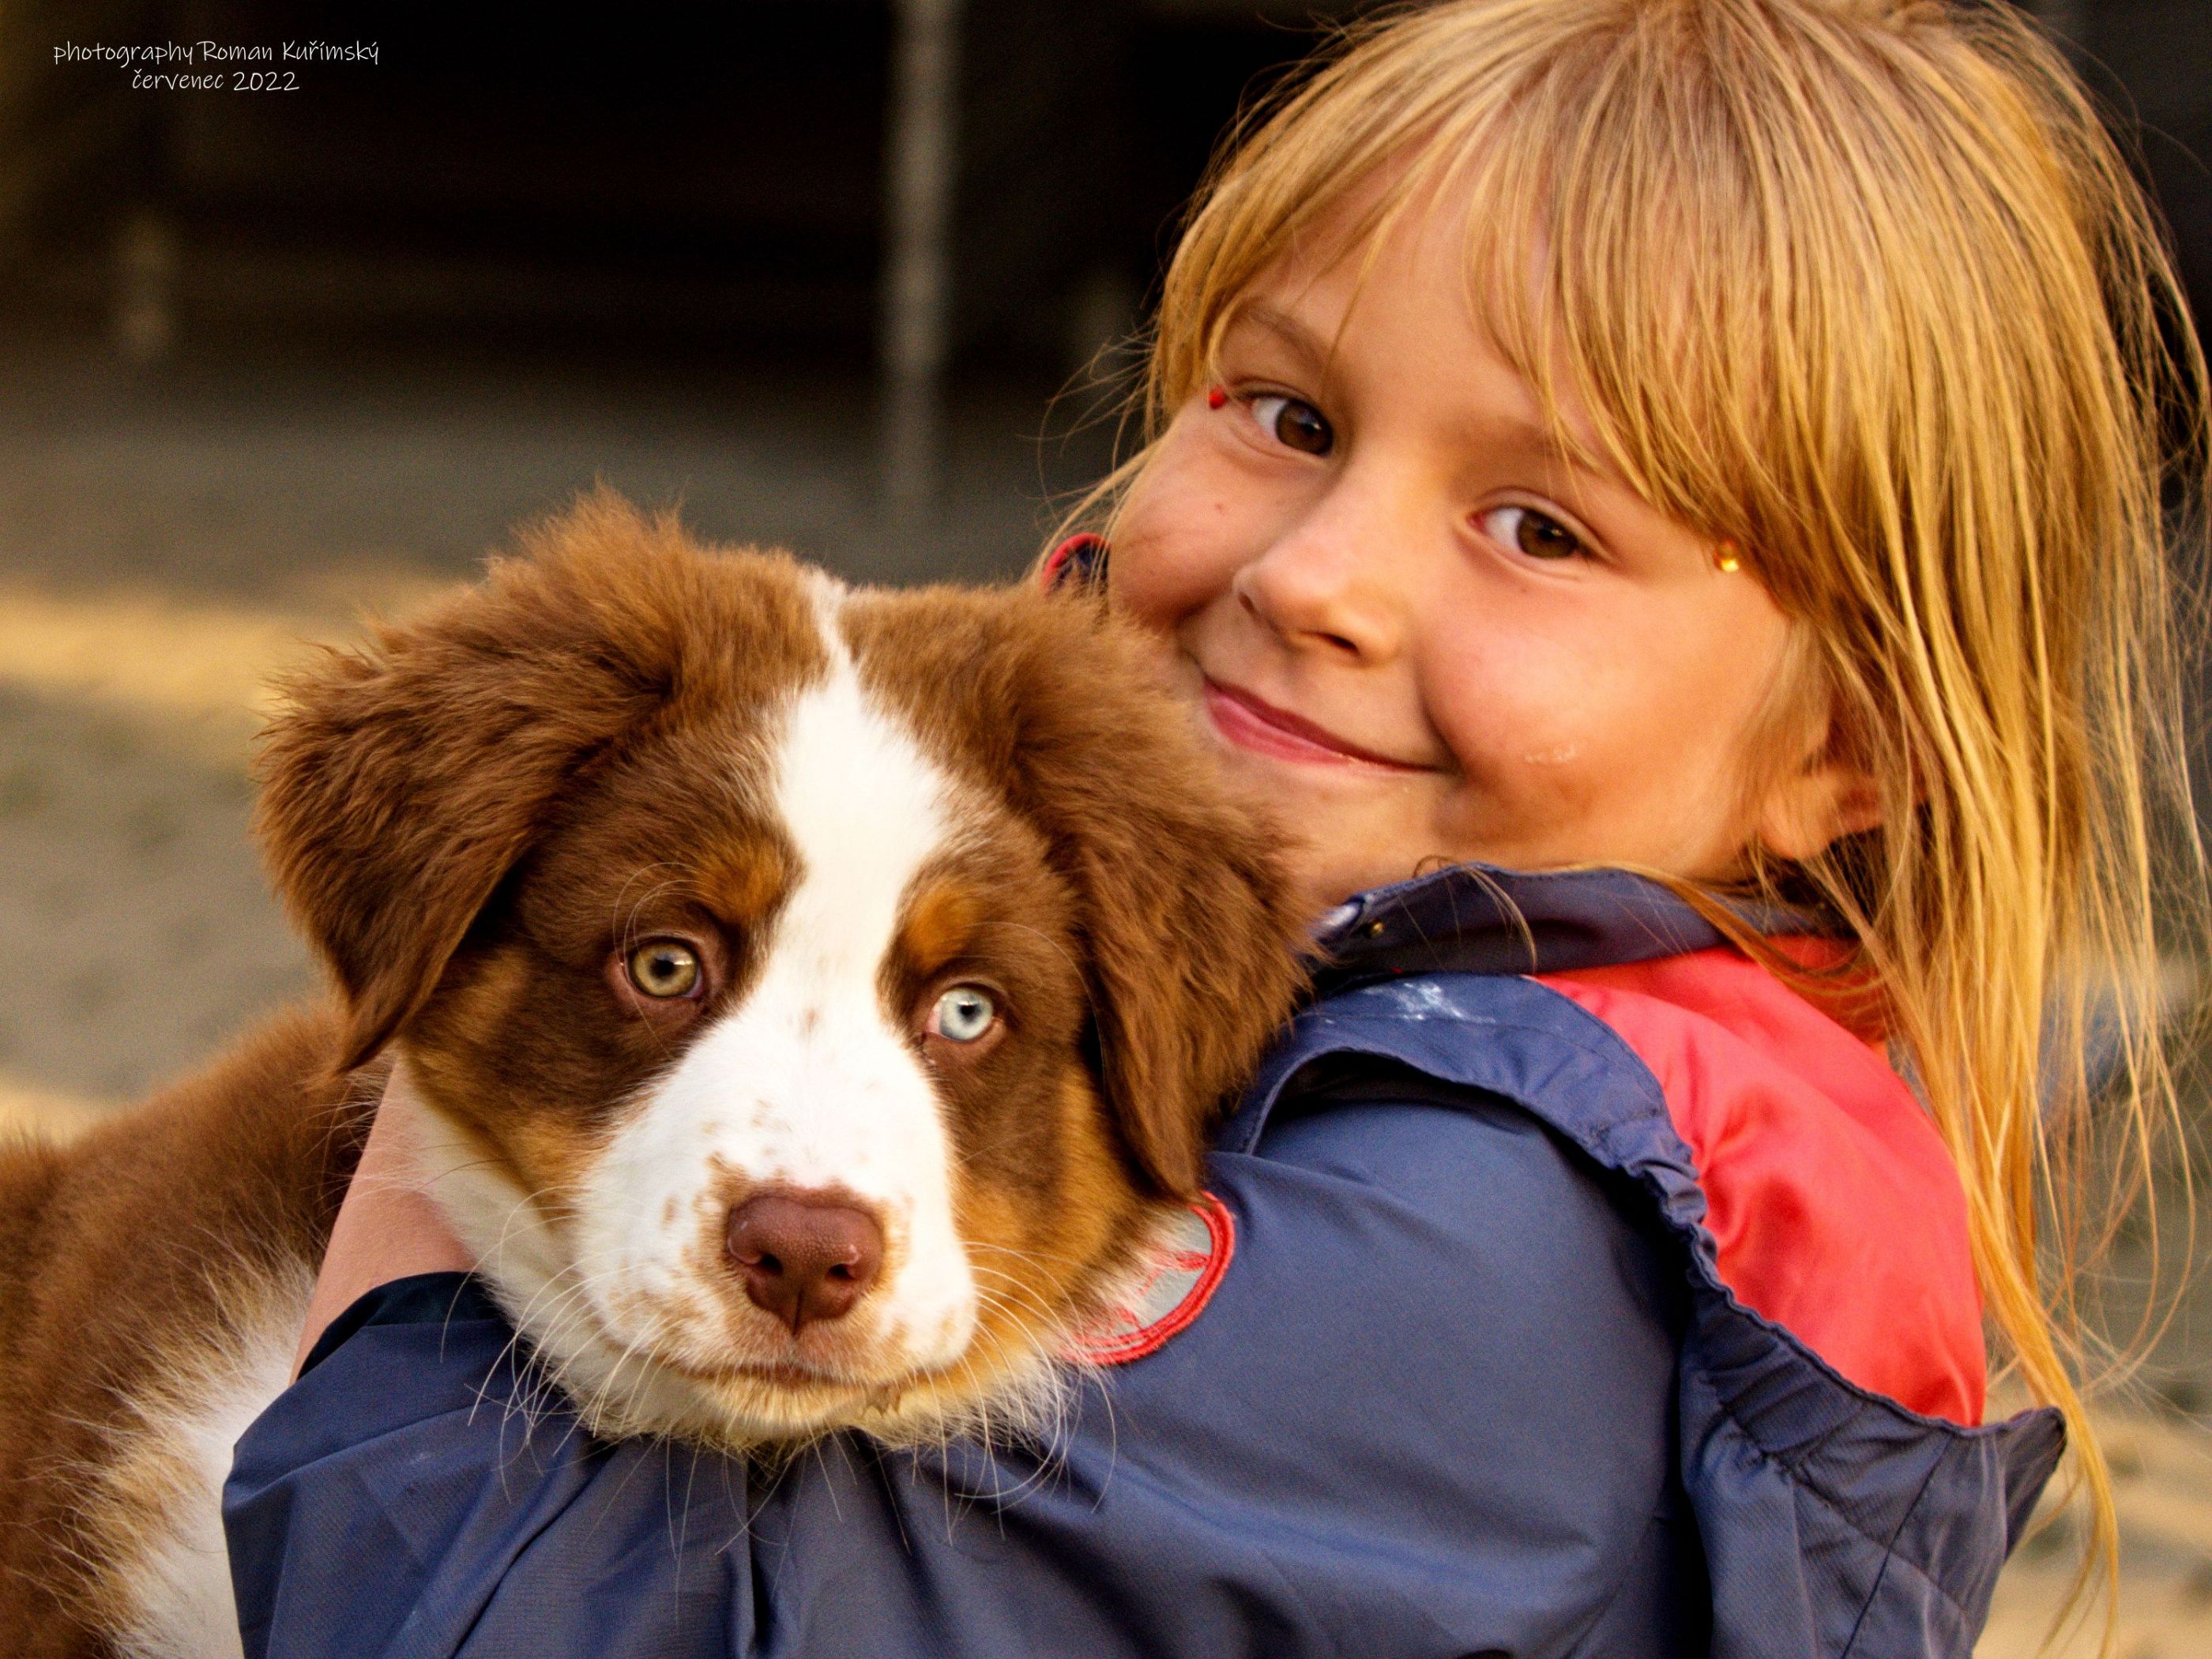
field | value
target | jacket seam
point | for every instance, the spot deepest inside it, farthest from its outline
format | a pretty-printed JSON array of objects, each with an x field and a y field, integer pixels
[
  {"x": 1609, "y": 1050},
  {"x": 1802, "y": 1481},
  {"x": 1889, "y": 1554}
]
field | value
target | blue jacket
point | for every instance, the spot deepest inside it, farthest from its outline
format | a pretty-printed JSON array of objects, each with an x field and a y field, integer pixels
[{"x": 1471, "y": 1384}]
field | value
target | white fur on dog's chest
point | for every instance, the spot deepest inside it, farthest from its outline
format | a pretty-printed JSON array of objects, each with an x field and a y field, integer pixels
[{"x": 165, "y": 1495}]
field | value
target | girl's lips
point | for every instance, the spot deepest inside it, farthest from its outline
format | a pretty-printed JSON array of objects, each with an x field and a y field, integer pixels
[{"x": 1249, "y": 723}]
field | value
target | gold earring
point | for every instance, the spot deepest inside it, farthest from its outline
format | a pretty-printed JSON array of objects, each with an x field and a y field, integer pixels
[{"x": 1729, "y": 556}]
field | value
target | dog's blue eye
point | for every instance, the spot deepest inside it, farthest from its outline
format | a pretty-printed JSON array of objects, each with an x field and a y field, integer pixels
[{"x": 962, "y": 1014}]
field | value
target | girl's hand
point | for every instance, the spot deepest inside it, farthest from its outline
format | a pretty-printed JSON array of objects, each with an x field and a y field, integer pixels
[{"x": 388, "y": 1227}]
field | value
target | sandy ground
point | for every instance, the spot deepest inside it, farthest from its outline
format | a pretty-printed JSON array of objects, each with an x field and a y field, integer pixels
[
  {"x": 166, "y": 543},
  {"x": 2163, "y": 1475}
]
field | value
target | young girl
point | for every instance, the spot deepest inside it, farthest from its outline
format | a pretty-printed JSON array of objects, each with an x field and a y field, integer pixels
[{"x": 1666, "y": 495}]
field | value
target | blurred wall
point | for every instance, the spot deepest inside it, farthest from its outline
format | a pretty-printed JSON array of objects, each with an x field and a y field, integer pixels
[
  {"x": 696, "y": 177},
  {"x": 2151, "y": 60},
  {"x": 670, "y": 170}
]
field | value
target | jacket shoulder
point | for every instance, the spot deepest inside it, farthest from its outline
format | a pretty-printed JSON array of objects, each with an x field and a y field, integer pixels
[
  {"x": 1833, "y": 1204},
  {"x": 1825, "y": 1507}
]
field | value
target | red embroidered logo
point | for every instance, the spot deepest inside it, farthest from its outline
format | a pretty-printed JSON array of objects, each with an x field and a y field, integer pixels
[{"x": 1173, "y": 1289}]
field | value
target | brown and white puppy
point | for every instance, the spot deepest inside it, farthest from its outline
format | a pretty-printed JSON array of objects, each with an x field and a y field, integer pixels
[{"x": 820, "y": 998}]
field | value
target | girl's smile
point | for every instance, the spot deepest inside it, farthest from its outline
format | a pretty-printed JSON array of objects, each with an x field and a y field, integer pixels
[
  {"x": 1250, "y": 723},
  {"x": 1419, "y": 628}
]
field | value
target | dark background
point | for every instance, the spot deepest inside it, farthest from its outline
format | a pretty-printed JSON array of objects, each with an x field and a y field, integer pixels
[
  {"x": 704, "y": 182},
  {"x": 687, "y": 201}
]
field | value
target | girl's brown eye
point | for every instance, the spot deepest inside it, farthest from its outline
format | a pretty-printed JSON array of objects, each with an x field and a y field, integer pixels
[
  {"x": 665, "y": 969},
  {"x": 1539, "y": 535},
  {"x": 1294, "y": 424}
]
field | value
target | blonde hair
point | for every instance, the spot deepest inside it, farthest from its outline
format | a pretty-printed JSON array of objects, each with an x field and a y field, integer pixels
[{"x": 1864, "y": 287}]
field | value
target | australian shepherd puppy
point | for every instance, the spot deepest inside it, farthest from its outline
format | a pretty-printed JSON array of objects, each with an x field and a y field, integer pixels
[{"x": 820, "y": 998}]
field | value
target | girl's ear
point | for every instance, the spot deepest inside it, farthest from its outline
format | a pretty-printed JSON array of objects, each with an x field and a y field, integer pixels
[{"x": 1831, "y": 796}]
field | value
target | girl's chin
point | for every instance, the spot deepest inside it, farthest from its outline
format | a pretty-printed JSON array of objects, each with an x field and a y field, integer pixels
[{"x": 1341, "y": 838}]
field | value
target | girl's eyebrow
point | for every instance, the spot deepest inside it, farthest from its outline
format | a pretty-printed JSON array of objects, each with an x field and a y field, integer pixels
[
  {"x": 1286, "y": 326},
  {"x": 1539, "y": 442}
]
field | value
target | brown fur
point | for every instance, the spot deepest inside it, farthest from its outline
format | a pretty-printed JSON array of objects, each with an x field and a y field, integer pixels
[
  {"x": 940, "y": 924},
  {"x": 125, "y": 1252},
  {"x": 409, "y": 779},
  {"x": 477, "y": 817},
  {"x": 1052, "y": 704}
]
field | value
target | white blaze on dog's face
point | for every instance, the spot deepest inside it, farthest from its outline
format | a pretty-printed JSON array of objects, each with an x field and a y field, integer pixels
[
  {"x": 812, "y": 1083},
  {"x": 816, "y": 994}
]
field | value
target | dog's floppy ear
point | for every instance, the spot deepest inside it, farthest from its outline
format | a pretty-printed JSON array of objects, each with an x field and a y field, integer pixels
[
  {"x": 1192, "y": 939},
  {"x": 407, "y": 777}
]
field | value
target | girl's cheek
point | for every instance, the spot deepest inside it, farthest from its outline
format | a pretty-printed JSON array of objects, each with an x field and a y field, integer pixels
[
  {"x": 1492, "y": 697},
  {"x": 1529, "y": 741},
  {"x": 1173, "y": 549},
  {"x": 1135, "y": 580}
]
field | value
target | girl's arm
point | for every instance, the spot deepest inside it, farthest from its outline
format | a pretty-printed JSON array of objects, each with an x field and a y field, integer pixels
[
  {"x": 1428, "y": 1410},
  {"x": 388, "y": 1227}
]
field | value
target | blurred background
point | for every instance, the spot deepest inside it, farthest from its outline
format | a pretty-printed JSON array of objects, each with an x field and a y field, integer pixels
[{"x": 847, "y": 275}]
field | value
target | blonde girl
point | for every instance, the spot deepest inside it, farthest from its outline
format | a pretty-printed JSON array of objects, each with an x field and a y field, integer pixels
[
  {"x": 1865, "y": 294},
  {"x": 1671, "y": 500}
]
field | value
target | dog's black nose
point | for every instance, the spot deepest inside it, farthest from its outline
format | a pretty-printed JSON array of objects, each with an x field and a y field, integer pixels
[{"x": 805, "y": 1256}]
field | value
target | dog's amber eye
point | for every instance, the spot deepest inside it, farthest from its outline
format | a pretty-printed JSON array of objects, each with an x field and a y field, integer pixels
[
  {"x": 665, "y": 969},
  {"x": 963, "y": 1014}
]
